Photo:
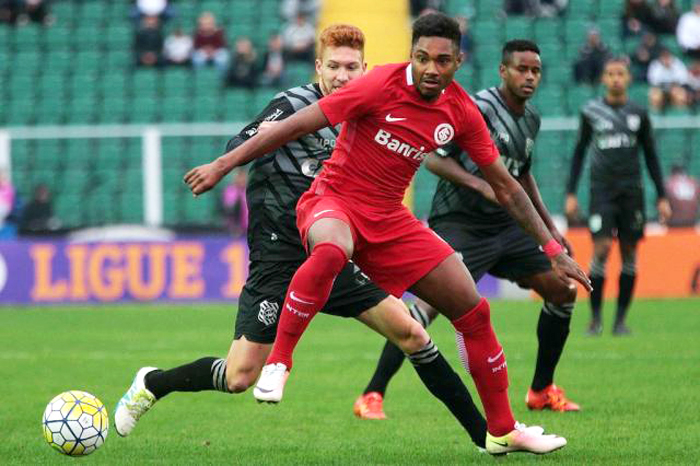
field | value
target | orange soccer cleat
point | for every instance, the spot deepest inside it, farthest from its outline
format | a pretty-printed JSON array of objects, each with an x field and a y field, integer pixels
[
  {"x": 551, "y": 397},
  {"x": 369, "y": 406}
]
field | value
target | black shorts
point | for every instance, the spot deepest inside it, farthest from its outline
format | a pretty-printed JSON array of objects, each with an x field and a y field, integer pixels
[
  {"x": 510, "y": 253},
  {"x": 263, "y": 296},
  {"x": 617, "y": 214}
]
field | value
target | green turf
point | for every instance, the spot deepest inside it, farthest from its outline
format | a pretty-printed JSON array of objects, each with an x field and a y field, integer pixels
[{"x": 640, "y": 402}]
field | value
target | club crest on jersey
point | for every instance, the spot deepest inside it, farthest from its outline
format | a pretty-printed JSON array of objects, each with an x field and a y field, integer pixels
[
  {"x": 268, "y": 312},
  {"x": 443, "y": 133},
  {"x": 529, "y": 145},
  {"x": 633, "y": 122}
]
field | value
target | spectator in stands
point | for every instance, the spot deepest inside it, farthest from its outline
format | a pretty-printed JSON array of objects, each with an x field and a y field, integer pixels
[
  {"x": 647, "y": 50},
  {"x": 694, "y": 83},
  {"x": 243, "y": 71},
  {"x": 233, "y": 204},
  {"x": 551, "y": 8},
  {"x": 663, "y": 17},
  {"x": 9, "y": 10},
  {"x": 290, "y": 9},
  {"x": 160, "y": 8},
  {"x": 688, "y": 31},
  {"x": 148, "y": 43},
  {"x": 518, "y": 7},
  {"x": 298, "y": 39},
  {"x": 635, "y": 17},
  {"x": 35, "y": 11},
  {"x": 7, "y": 198},
  {"x": 273, "y": 62},
  {"x": 668, "y": 77},
  {"x": 210, "y": 45},
  {"x": 467, "y": 44},
  {"x": 178, "y": 48},
  {"x": 37, "y": 216},
  {"x": 419, "y": 7},
  {"x": 592, "y": 57},
  {"x": 683, "y": 192}
]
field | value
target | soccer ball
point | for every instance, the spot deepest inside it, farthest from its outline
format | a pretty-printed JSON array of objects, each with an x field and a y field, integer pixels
[{"x": 75, "y": 423}]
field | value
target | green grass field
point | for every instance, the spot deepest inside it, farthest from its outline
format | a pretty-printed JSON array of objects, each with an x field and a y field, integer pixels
[{"x": 639, "y": 394}]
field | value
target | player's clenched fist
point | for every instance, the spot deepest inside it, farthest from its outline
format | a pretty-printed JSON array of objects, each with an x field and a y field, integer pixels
[{"x": 204, "y": 177}]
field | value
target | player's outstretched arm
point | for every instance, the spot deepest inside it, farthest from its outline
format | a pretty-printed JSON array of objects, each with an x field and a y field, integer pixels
[
  {"x": 449, "y": 169},
  {"x": 513, "y": 198},
  {"x": 527, "y": 181},
  {"x": 204, "y": 177}
]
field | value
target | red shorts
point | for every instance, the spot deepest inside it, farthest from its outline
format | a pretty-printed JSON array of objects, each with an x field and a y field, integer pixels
[{"x": 394, "y": 248}]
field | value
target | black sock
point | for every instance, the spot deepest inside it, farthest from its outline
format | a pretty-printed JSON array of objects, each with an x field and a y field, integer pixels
[
  {"x": 597, "y": 282},
  {"x": 445, "y": 385},
  {"x": 624, "y": 298},
  {"x": 389, "y": 363},
  {"x": 202, "y": 374},
  {"x": 552, "y": 331}
]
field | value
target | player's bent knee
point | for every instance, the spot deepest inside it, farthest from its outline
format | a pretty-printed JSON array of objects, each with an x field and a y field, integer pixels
[
  {"x": 241, "y": 379},
  {"x": 414, "y": 339},
  {"x": 562, "y": 294}
]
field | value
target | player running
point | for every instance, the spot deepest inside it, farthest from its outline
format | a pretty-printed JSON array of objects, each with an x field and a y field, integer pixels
[
  {"x": 466, "y": 214},
  {"x": 617, "y": 128},
  {"x": 393, "y": 117},
  {"x": 275, "y": 184}
]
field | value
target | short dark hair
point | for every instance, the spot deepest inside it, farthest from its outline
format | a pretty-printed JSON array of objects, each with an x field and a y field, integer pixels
[
  {"x": 517, "y": 45},
  {"x": 622, "y": 60},
  {"x": 436, "y": 25}
]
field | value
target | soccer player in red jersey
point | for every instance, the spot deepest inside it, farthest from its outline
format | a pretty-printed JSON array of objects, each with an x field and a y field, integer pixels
[{"x": 393, "y": 117}]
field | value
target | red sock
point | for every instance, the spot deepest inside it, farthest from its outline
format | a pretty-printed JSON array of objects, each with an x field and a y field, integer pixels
[
  {"x": 307, "y": 294},
  {"x": 482, "y": 356}
]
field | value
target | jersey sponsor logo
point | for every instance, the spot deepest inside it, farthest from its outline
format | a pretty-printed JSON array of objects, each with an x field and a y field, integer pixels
[
  {"x": 633, "y": 122},
  {"x": 384, "y": 138},
  {"x": 298, "y": 299},
  {"x": 444, "y": 133},
  {"x": 391, "y": 119},
  {"x": 268, "y": 312},
  {"x": 274, "y": 115},
  {"x": 616, "y": 141},
  {"x": 271, "y": 117},
  {"x": 529, "y": 146}
]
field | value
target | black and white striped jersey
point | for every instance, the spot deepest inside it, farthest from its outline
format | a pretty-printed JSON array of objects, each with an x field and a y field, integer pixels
[
  {"x": 514, "y": 136},
  {"x": 277, "y": 180}
]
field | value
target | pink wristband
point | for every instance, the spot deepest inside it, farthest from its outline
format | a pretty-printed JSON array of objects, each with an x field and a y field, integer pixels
[{"x": 552, "y": 248}]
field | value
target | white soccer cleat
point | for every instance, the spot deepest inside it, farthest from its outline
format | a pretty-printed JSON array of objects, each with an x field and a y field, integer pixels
[
  {"x": 526, "y": 439},
  {"x": 270, "y": 386},
  {"x": 134, "y": 404}
]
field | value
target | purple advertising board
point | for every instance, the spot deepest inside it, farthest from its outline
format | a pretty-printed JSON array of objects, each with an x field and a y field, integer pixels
[{"x": 182, "y": 270}]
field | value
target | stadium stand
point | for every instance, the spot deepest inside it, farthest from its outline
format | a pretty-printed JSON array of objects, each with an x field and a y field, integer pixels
[{"x": 80, "y": 71}]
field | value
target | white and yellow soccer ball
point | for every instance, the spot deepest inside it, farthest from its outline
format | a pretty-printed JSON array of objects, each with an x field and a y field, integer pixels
[{"x": 75, "y": 423}]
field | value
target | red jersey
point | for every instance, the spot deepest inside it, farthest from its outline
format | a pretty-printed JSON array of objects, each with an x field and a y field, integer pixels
[{"x": 388, "y": 129}]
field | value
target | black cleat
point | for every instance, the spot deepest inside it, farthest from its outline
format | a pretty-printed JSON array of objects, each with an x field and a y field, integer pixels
[
  {"x": 595, "y": 329},
  {"x": 621, "y": 330}
]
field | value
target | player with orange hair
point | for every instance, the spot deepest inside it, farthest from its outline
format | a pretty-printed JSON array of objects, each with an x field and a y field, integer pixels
[{"x": 276, "y": 182}]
